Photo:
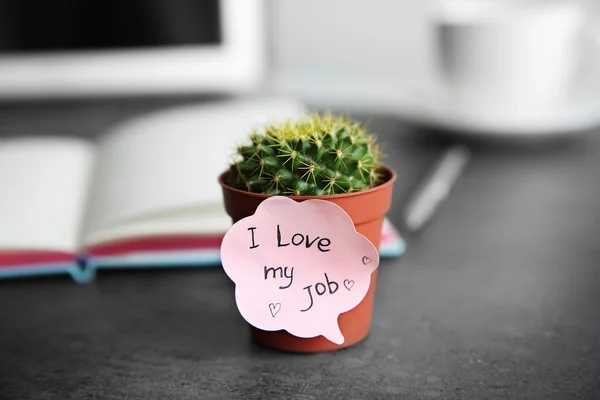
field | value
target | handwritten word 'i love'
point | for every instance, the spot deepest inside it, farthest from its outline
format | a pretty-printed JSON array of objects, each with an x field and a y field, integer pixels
[{"x": 297, "y": 240}]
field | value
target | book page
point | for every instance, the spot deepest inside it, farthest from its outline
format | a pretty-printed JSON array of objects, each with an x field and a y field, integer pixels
[
  {"x": 170, "y": 161},
  {"x": 207, "y": 220},
  {"x": 43, "y": 185}
]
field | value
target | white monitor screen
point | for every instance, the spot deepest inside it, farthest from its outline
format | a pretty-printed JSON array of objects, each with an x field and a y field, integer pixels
[
  {"x": 74, "y": 25},
  {"x": 55, "y": 48}
]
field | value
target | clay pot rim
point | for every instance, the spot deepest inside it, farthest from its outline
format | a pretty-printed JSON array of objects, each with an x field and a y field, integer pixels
[{"x": 389, "y": 181}]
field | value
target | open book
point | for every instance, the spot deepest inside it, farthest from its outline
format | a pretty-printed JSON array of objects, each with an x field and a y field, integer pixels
[{"x": 143, "y": 194}]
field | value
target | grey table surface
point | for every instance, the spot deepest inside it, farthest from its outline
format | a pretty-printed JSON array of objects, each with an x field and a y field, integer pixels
[{"x": 498, "y": 297}]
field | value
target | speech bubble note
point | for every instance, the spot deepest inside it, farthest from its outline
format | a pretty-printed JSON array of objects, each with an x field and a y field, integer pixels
[{"x": 297, "y": 266}]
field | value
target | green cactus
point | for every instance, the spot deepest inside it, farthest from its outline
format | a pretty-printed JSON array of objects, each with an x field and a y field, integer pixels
[{"x": 314, "y": 156}]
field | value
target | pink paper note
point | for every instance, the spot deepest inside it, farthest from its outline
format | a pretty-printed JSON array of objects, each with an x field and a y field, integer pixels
[{"x": 297, "y": 266}]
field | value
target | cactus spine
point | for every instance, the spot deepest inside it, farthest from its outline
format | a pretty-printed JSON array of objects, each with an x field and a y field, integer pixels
[{"x": 314, "y": 156}]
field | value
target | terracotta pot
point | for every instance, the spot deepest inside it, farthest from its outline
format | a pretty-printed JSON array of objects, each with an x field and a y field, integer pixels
[{"x": 367, "y": 209}]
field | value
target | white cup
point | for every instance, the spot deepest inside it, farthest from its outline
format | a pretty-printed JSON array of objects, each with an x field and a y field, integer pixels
[{"x": 515, "y": 58}]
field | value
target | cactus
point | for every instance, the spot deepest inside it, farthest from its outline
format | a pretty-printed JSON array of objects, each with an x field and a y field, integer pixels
[{"x": 314, "y": 156}]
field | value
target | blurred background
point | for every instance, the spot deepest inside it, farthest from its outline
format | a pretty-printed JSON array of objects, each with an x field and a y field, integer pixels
[{"x": 511, "y": 68}]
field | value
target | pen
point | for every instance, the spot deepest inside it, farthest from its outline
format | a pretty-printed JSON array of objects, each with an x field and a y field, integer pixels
[{"x": 436, "y": 187}]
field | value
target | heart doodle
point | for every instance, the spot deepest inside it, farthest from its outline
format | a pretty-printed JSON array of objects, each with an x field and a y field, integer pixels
[
  {"x": 348, "y": 284},
  {"x": 366, "y": 260},
  {"x": 274, "y": 308}
]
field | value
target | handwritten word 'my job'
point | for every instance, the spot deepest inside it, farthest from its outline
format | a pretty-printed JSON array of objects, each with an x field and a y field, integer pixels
[{"x": 329, "y": 286}]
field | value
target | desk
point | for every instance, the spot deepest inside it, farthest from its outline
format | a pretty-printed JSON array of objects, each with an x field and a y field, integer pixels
[{"x": 498, "y": 297}]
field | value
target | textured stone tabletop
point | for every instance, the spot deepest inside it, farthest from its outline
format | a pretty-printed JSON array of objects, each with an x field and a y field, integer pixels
[{"x": 498, "y": 297}]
